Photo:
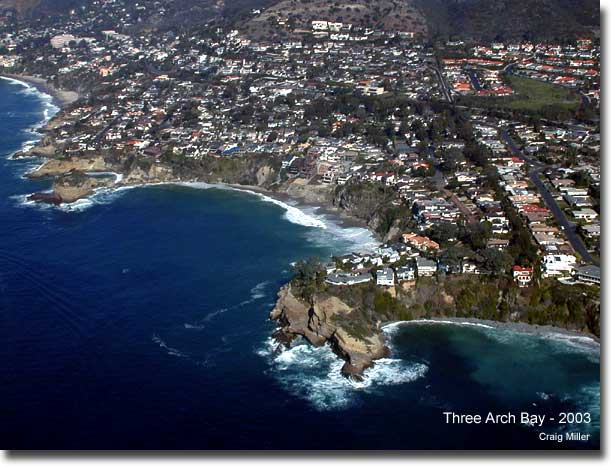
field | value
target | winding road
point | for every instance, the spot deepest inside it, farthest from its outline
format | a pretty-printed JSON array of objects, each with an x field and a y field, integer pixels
[{"x": 569, "y": 228}]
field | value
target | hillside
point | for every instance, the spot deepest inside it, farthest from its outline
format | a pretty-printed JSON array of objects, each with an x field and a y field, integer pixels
[
  {"x": 29, "y": 8},
  {"x": 400, "y": 15},
  {"x": 511, "y": 19},
  {"x": 461, "y": 19}
]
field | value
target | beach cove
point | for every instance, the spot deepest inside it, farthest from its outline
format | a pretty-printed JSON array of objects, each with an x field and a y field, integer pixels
[{"x": 158, "y": 301}]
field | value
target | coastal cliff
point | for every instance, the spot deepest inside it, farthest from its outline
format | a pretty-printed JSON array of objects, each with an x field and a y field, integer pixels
[
  {"x": 350, "y": 318},
  {"x": 319, "y": 324},
  {"x": 59, "y": 167}
]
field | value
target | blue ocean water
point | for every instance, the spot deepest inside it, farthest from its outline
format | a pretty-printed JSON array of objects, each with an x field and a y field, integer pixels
[{"x": 139, "y": 321}]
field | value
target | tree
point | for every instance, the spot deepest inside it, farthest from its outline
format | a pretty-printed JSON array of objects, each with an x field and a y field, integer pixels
[
  {"x": 443, "y": 232},
  {"x": 477, "y": 235},
  {"x": 496, "y": 262},
  {"x": 309, "y": 277},
  {"x": 451, "y": 159},
  {"x": 453, "y": 256}
]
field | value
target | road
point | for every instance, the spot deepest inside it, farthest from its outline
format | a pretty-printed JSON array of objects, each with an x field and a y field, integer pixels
[
  {"x": 443, "y": 85},
  {"x": 569, "y": 228},
  {"x": 475, "y": 80}
]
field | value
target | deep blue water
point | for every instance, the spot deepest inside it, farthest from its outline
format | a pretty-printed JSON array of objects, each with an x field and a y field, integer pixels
[{"x": 140, "y": 322}]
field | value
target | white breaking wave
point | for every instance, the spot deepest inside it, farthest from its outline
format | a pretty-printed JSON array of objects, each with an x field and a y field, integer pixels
[
  {"x": 258, "y": 291},
  {"x": 28, "y": 145},
  {"x": 101, "y": 196},
  {"x": 292, "y": 213},
  {"x": 48, "y": 111},
  {"x": 324, "y": 228},
  {"x": 392, "y": 328},
  {"x": 584, "y": 342},
  {"x": 314, "y": 374},
  {"x": 49, "y": 108}
]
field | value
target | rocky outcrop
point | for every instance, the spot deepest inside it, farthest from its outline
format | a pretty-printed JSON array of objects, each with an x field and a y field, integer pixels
[
  {"x": 319, "y": 325},
  {"x": 58, "y": 167},
  {"x": 155, "y": 173},
  {"x": 47, "y": 198},
  {"x": 364, "y": 201},
  {"x": 76, "y": 185},
  {"x": 308, "y": 193}
]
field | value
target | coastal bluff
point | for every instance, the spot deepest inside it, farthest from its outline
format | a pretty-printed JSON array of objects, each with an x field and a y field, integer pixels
[{"x": 319, "y": 323}]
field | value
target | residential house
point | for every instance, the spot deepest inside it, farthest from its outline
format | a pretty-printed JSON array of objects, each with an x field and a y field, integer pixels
[
  {"x": 558, "y": 265},
  {"x": 425, "y": 267},
  {"x": 420, "y": 242},
  {"x": 522, "y": 275},
  {"x": 385, "y": 277},
  {"x": 405, "y": 273},
  {"x": 589, "y": 274}
]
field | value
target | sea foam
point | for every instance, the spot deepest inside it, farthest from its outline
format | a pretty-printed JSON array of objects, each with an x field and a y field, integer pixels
[
  {"x": 325, "y": 228},
  {"x": 314, "y": 374},
  {"x": 392, "y": 328},
  {"x": 49, "y": 108}
]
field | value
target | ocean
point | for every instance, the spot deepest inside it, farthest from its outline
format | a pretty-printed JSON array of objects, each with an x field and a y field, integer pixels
[{"x": 138, "y": 320}]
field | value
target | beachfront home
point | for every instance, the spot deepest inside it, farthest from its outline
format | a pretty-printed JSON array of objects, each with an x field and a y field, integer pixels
[
  {"x": 349, "y": 278},
  {"x": 420, "y": 242},
  {"x": 405, "y": 273},
  {"x": 425, "y": 267},
  {"x": 385, "y": 277}
]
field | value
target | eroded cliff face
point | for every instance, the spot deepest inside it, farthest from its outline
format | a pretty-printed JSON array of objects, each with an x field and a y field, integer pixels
[
  {"x": 76, "y": 185},
  {"x": 153, "y": 174},
  {"x": 58, "y": 167},
  {"x": 367, "y": 202},
  {"x": 135, "y": 172},
  {"x": 319, "y": 324}
]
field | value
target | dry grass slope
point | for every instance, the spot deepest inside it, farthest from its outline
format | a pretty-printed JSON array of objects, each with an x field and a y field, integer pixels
[{"x": 399, "y": 15}]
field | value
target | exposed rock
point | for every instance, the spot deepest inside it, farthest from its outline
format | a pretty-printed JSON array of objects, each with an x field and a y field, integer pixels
[
  {"x": 317, "y": 324},
  {"x": 264, "y": 175},
  {"x": 48, "y": 198},
  {"x": 300, "y": 189},
  {"x": 155, "y": 173},
  {"x": 359, "y": 354},
  {"x": 57, "y": 167},
  {"x": 77, "y": 185}
]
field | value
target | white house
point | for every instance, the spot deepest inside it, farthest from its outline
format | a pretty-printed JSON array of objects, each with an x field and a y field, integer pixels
[
  {"x": 522, "y": 275},
  {"x": 558, "y": 265},
  {"x": 585, "y": 214},
  {"x": 348, "y": 278},
  {"x": 319, "y": 25},
  {"x": 425, "y": 267},
  {"x": 405, "y": 273},
  {"x": 385, "y": 277}
]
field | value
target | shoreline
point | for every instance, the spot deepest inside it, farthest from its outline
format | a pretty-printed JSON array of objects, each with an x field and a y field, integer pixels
[
  {"x": 339, "y": 217},
  {"x": 288, "y": 200},
  {"x": 64, "y": 98},
  {"x": 514, "y": 326},
  {"x": 60, "y": 97},
  {"x": 284, "y": 199}
]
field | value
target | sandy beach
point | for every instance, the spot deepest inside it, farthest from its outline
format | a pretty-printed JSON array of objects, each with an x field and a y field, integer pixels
[{"x": 61, "y": 96}]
